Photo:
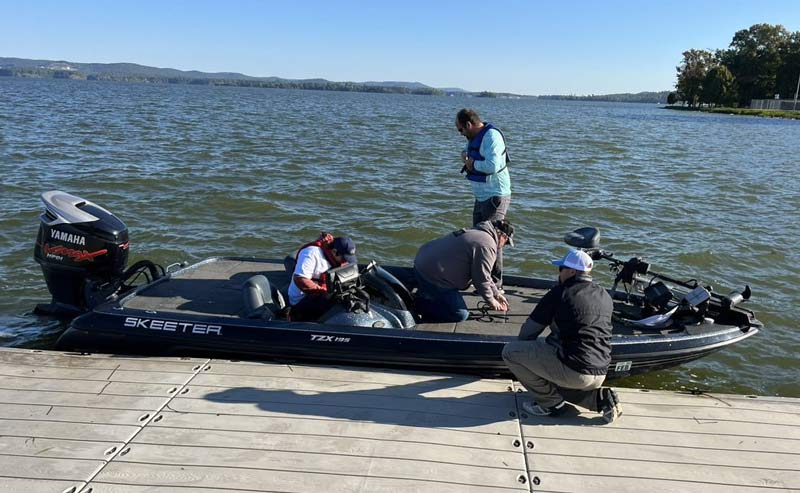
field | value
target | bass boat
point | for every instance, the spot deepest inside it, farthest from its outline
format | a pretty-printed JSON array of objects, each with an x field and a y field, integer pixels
[{"x": 233, "y": 307}]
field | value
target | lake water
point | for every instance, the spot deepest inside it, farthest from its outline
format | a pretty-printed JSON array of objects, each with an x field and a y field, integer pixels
[{"x": 204, "y": 171}]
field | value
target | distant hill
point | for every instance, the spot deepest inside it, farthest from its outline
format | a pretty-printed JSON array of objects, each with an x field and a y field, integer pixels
[
  {"x": 639, "y": 97},
  {"x": 132, "y": 72},
  {"x": 393, "y": 83},
  {"x": 90, "y": 69}
]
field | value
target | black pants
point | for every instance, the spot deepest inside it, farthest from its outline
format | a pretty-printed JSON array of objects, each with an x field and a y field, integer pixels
[{"x": 310, "y": 308}]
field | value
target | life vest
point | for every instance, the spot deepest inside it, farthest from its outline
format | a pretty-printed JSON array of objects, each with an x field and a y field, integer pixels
[
  {"x": 473, "y": 151},
  {"x": 326, "y": 250}
]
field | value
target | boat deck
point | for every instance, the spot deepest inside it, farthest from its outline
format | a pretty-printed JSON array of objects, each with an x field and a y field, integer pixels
[
  {"x": 100, "y": 423},
  {"x": 215, "y": 288}
]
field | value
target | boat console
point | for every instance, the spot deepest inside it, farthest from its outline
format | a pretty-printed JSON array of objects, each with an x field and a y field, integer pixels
[{"x": 343, "y": 277}]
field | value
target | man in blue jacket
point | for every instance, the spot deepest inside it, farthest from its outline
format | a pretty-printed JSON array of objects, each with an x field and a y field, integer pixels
[{"x": 485, "y": 161}]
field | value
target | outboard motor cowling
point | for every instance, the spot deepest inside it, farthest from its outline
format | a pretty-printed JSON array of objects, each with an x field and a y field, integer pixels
[{"x": 80, "y": 245}]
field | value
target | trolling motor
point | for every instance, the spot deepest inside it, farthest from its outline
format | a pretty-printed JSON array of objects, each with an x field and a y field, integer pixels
[
  {"x": 656, "y": 295},
  {"x": 83, "y": 251}
]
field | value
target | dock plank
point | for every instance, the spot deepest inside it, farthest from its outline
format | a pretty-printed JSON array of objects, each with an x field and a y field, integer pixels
[
  {"x": 735, "y": 474},
  {"x": 35, "y": 485},
  {"x": 80, "y": 399},
  {"x": 278, "y": 480},
  {"x": 53, "y": 359},
  {"x": 351, "y": 374},
  {"x": 624, "y": 433},
  {"x": 670, "y": 454},
  {"x": 483, "y": 407},
  {"x": 504, "y": 455},
  {"x": 43, "y": 412},
  {"x": 65, "y": 430},
  {"x": 334, "y": 461},
  {"x": 354, "y": 412},
  {"x": 300, "y": 426},
  {"x": 576, "y": 481},
  {"x": 43, "y": 468},
  {"x": 98, "y": 374},
  {"x": 56, "y": 372},
  {"x": 31, "y": 446}
]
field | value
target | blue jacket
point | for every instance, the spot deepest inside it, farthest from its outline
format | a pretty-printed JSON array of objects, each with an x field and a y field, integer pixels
[{"x": 490, "y": 177}]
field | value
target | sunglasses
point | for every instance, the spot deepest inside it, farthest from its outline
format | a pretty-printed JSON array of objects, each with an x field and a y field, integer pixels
[{"x": 460, "y": 130}]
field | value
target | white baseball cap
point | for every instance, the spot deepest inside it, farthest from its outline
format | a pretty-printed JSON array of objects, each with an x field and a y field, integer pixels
[{"x": 576, "y": 259}]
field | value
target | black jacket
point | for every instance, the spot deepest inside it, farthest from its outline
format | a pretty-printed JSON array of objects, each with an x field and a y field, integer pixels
[{"x": 579, "y": 315}]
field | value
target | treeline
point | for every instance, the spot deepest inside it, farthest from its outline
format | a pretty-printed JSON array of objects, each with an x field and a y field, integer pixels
[
  {"x": 760, "y": 63},
  {"x": 41, "y": 73},
  {"x": 316, "y": 85},
  {"x": 639, "y": 97}
]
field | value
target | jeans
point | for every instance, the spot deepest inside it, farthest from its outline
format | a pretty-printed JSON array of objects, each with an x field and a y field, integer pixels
[{"x": 436, "y": 304}]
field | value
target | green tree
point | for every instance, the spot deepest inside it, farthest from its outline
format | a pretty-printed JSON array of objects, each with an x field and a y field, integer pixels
[
  {"x": 691, "y": 74},
  {"x": 719, "y": 87},
  {"x": 789, "y": 70},
  {"x": 754, "y": 58},
  {"x": 672, "y": 98}
]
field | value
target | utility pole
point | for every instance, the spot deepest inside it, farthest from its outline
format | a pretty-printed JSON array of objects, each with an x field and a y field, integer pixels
[{"x": 795, "y": 93}]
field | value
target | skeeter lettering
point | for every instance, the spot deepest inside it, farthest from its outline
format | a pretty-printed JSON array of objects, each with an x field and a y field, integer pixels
[{"x": 170, "y": 326}]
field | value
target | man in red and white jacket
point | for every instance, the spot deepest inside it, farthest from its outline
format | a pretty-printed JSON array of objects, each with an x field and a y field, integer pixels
[{"x": 308, "y": 292}]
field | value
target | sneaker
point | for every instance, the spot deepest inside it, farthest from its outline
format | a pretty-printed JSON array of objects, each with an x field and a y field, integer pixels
[
  {"x": 536, "y": 410},
  {"x": 609, "y": 404}
]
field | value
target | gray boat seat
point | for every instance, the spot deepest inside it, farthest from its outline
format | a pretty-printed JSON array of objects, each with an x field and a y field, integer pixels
[{"x": 260, "y": 299}]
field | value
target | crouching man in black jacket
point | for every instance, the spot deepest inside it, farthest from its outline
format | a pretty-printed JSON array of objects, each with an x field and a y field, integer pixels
[{"x": 571, "y": 363}]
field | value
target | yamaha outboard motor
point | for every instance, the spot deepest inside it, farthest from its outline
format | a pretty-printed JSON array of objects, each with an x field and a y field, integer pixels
[{"x": 83, "y": 250}]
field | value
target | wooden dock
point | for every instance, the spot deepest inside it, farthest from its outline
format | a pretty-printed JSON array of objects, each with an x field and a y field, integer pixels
[{"x": 98, "y": 423}]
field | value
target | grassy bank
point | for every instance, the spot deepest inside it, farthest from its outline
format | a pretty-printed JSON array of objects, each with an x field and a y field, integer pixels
[{"x": 794, "y": 115}]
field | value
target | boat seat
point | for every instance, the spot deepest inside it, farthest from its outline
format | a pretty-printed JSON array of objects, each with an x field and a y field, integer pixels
[
  {"x": 586, "y": 238},
  {"x": 289, "y": 263},
  {"x": 260, "y": 299}
]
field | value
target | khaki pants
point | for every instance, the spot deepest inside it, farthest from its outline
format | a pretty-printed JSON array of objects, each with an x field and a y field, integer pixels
[{"x": 549, "y": 381}]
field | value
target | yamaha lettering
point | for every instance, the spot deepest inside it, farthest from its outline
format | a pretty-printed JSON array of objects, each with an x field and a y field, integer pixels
[
  {"x": 171, "y": 326},
  {"x": 68, "y": 237}
]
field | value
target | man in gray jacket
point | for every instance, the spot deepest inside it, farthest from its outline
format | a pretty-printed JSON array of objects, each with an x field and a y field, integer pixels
[{"x": 447, "y": 265}]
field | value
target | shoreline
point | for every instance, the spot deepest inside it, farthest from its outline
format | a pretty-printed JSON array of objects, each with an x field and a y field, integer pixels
[{"x": 792, "y": 115}]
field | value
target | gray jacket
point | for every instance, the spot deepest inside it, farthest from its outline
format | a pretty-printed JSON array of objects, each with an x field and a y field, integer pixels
[{"x": 460, "y": 258}]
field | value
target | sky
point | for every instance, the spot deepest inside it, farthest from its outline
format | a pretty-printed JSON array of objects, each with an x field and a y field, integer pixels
[{"x": 523, "y": 47}]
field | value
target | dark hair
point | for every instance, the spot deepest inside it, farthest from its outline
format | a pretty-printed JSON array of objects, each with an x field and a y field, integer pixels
[{"x": 468, "y": 115}]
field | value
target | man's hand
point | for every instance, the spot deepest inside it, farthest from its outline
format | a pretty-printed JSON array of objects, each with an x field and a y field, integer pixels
[
  {"x": 499, "y": 303},
  {"x": 469, "y": 163}
]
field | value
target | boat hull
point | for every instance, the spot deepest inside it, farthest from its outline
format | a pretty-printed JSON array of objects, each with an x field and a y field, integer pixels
[{"x": 115, "y": 329}]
